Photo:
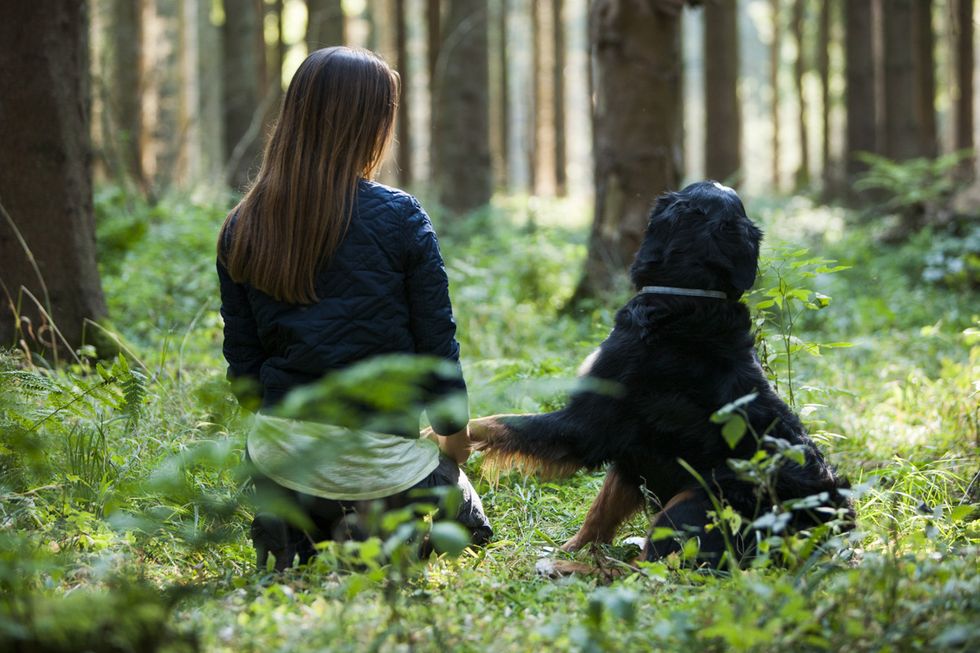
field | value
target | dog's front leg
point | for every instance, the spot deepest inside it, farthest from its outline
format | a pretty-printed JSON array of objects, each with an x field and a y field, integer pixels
[
  {"x": 482, "y": 430},
  {"x": 618, "y": 500},
  {"x": 486, "y": 430}
]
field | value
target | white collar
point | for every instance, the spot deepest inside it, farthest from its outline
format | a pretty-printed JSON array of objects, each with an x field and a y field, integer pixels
[{"x": 686, "y": 292}]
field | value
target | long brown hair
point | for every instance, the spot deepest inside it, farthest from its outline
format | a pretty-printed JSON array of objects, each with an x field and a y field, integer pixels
[{"x": 335, "y": 124}]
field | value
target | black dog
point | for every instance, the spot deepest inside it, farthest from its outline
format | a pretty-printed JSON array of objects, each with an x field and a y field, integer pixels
[{"x": 681, "y": 349}]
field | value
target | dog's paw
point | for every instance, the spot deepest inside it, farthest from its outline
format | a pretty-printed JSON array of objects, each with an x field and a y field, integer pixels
[
  {"x": 637, "y": 541},
  {"x": 551, "y": 568},
  {"x": 572, "y": 545}
]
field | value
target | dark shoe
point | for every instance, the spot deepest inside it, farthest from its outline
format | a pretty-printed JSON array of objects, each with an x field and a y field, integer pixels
[{"x": 270, "y": 534}]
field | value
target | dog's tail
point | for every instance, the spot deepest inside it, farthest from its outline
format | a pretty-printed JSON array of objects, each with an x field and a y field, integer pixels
[{"x": 539, "y": 444}]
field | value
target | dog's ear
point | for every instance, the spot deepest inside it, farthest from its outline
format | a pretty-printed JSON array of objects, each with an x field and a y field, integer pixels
[
  {"x": 652, "y": 251},
  {"x": 732, "y": 252},
  {"x": 740, "y": 243}
]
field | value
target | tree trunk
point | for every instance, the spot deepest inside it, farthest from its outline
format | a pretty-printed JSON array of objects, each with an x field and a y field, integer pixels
[
  {"x": 464, "y": 178},
  {"x": 122, "y": 90},
  {"x": 823, "y": 69},
  {"x": 433, "y": 36},
  {"x": 203, "y": 105},
  {"x": 861, "y": 83},
  {"x": 963, "y": 106},
  {"x": 558, "y": 93},
  {"x": 325, "y": 25},
  {"x": 406, "y": 173},
  {"x": 433, "y": 19},
  {"x": 190, "y": 114},
  {"x": 163, "y": 136},
  {"x": 723, "y": 120},
  {"x": 902, "y": 129},
  {"x": 546, "y": 83},
  {"x": 534, "y": 113},
  {"x": 924, "y": 41},
  {"x": 275, "y": 53},
  {"x": 637, "y": 63},
  {"x": 47, "y": 226},
  {"x": 503, "y": 116},
  {"x": 374, "y": 17},
  {"x": 774, "y": 61},
  {"x": 799, "y": 69},
  {"x": 244, "y": 109}
]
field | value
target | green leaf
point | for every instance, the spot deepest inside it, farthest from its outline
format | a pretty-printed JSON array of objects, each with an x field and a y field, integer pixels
[
  {"x": 357, "y": 584},
  {"x": 823, "y": 269},
  {"x": 370, "y": 550},
  {"x": 724, "y": 413},
  {"x": 690, "y": 549},
  {"x": 962, "y": 513},
  {"x": 449, "y": 537},
  {"x": 734, "y": 430},
  {"x": 662, "y": 533}
]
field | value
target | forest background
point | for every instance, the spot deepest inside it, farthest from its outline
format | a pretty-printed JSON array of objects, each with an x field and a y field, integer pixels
[{"x": 537, "y": 134}]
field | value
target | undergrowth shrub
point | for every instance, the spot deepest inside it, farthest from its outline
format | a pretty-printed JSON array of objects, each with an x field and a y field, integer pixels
[{"x": 157, "y": 265}]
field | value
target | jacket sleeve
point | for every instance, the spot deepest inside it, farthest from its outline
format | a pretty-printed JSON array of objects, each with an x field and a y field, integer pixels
[
  {"x": 432, "y": 324},
  {"x": 242, "y": 348}
]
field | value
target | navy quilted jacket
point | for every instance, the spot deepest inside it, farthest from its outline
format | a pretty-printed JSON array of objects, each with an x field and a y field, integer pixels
[{"x": 384, "y": 291}]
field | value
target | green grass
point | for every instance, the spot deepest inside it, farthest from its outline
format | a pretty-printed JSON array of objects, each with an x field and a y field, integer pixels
[{"x": 121, "y": 481}]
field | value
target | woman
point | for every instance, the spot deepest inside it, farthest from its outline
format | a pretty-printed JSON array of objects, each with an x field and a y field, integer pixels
[{"x": 320, "y": 268}]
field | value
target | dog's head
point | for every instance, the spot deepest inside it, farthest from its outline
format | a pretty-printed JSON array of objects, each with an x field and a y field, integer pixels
[{"x": 699, "y": 238}]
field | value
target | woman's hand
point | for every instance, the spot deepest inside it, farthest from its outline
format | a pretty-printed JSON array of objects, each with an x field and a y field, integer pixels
[{"x": 456, "y": 446}]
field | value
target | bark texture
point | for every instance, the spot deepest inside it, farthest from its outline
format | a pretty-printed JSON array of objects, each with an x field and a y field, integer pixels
[
  {"x": 963, "y": 107},
  {"x": 244, "y": 53},
  {"x": 861, "y": 83},
  {"x": 433, "y": 41},
  {"x": 433, "y": 24},
  {"x": 122, "y": 89},
  {"x": 406, "y": 171},
  {"x": 545, "y": 99},
  {"x": 723, "y": 119},
  {"x": 799, "y": 69},
  {"x": 902, "y": 128},
  {"x": 558, "y": 26},
  {"x": 534, "y": 113},
  {"x": 164, "y": 134},
  {"x": 275, "y": 54},
  {"x": 202, "y": 96},
  {"x": 500, "y": 142},
  {"x": 636, "y": 51},
  {"x": 775, "y": 57},
  {"x": 463, "y": 175},
  {"x": 45, "y": 175},
  {"x": 924, "y": 39},
  {"x": 827, "y": 10}
]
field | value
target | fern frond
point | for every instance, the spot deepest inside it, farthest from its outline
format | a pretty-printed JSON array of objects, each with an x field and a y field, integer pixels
[
  {"x": 28, "y": 382},
  {"x": 133, "y": 387}
]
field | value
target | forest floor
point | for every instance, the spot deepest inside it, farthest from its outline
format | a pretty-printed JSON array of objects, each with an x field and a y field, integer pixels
[{"x": 121, "y": 526}]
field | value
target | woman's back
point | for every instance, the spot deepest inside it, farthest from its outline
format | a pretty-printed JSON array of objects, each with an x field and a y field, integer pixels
[{"x": 383, "y": 291}]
